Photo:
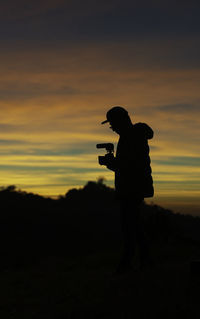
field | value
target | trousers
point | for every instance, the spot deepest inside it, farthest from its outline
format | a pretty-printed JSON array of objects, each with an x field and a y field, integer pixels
[{"x": 133, "y": 233}]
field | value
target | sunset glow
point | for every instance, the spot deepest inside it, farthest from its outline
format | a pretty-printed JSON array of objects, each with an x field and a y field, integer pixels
[{"x": 61, "y": 71}]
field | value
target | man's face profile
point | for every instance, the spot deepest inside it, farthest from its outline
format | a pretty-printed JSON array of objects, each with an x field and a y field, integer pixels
[{"x": 115, "y": 125}]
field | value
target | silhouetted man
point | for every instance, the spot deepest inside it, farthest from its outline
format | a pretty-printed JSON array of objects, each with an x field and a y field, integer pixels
[{"x": 133, "y": 181}]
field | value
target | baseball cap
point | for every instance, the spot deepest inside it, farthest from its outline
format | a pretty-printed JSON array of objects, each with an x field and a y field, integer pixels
[{"x": 116, "y": 112}]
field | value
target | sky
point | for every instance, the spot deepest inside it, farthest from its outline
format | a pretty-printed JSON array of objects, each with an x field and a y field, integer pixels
[{"x": 65, "y": 63}]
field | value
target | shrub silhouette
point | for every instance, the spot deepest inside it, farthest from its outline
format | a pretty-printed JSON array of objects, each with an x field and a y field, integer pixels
[{"x": 32, "y": 225}]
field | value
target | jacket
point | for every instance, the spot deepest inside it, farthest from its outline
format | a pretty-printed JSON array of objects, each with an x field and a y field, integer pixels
[{"x": 132, "y": 168}]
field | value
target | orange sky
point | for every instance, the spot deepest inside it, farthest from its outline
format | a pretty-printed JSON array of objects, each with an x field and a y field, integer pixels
[{"x": 54, "y": 94}]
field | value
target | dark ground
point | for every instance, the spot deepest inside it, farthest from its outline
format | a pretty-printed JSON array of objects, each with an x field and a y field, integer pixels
[{"x": 58, "y": 258}]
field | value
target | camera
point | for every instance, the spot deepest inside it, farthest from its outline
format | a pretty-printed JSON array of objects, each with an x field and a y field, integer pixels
[{"x": 104, "y": 160}]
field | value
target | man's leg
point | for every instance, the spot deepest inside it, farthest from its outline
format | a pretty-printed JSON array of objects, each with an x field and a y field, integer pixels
[
  {"x": 142, "y": 242},
  {"x": 133, "y": 232},
  {"x": 127, "y": 233},
  {"x": 129, "y": 215}
]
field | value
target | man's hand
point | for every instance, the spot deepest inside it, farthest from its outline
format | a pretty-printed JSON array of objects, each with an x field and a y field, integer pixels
[{"x": 110, "y": 162}]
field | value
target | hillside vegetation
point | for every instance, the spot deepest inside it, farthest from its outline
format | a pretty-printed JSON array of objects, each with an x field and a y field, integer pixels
[{"x": 58, "y": 256}]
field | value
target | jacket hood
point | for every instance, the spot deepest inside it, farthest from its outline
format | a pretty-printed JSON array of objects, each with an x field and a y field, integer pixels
[{"x": 143, "y": 129}]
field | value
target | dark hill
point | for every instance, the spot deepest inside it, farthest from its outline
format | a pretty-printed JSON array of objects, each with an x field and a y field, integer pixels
[
  {"x": 83, "y": 221},
  {"x": 57, "y": 259}
]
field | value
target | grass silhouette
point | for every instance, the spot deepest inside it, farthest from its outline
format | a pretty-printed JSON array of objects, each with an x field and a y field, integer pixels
[{"x": 58, "y": 257}]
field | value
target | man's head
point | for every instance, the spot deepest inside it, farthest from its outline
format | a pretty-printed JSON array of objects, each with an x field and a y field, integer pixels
[{"x": 118, "y": 118}]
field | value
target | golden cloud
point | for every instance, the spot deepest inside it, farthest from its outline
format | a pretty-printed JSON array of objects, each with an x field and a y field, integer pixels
[{"x": 51, "y": 110}]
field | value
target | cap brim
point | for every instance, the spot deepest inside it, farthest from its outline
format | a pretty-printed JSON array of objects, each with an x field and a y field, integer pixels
[{"x": 106, "y": 121}]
